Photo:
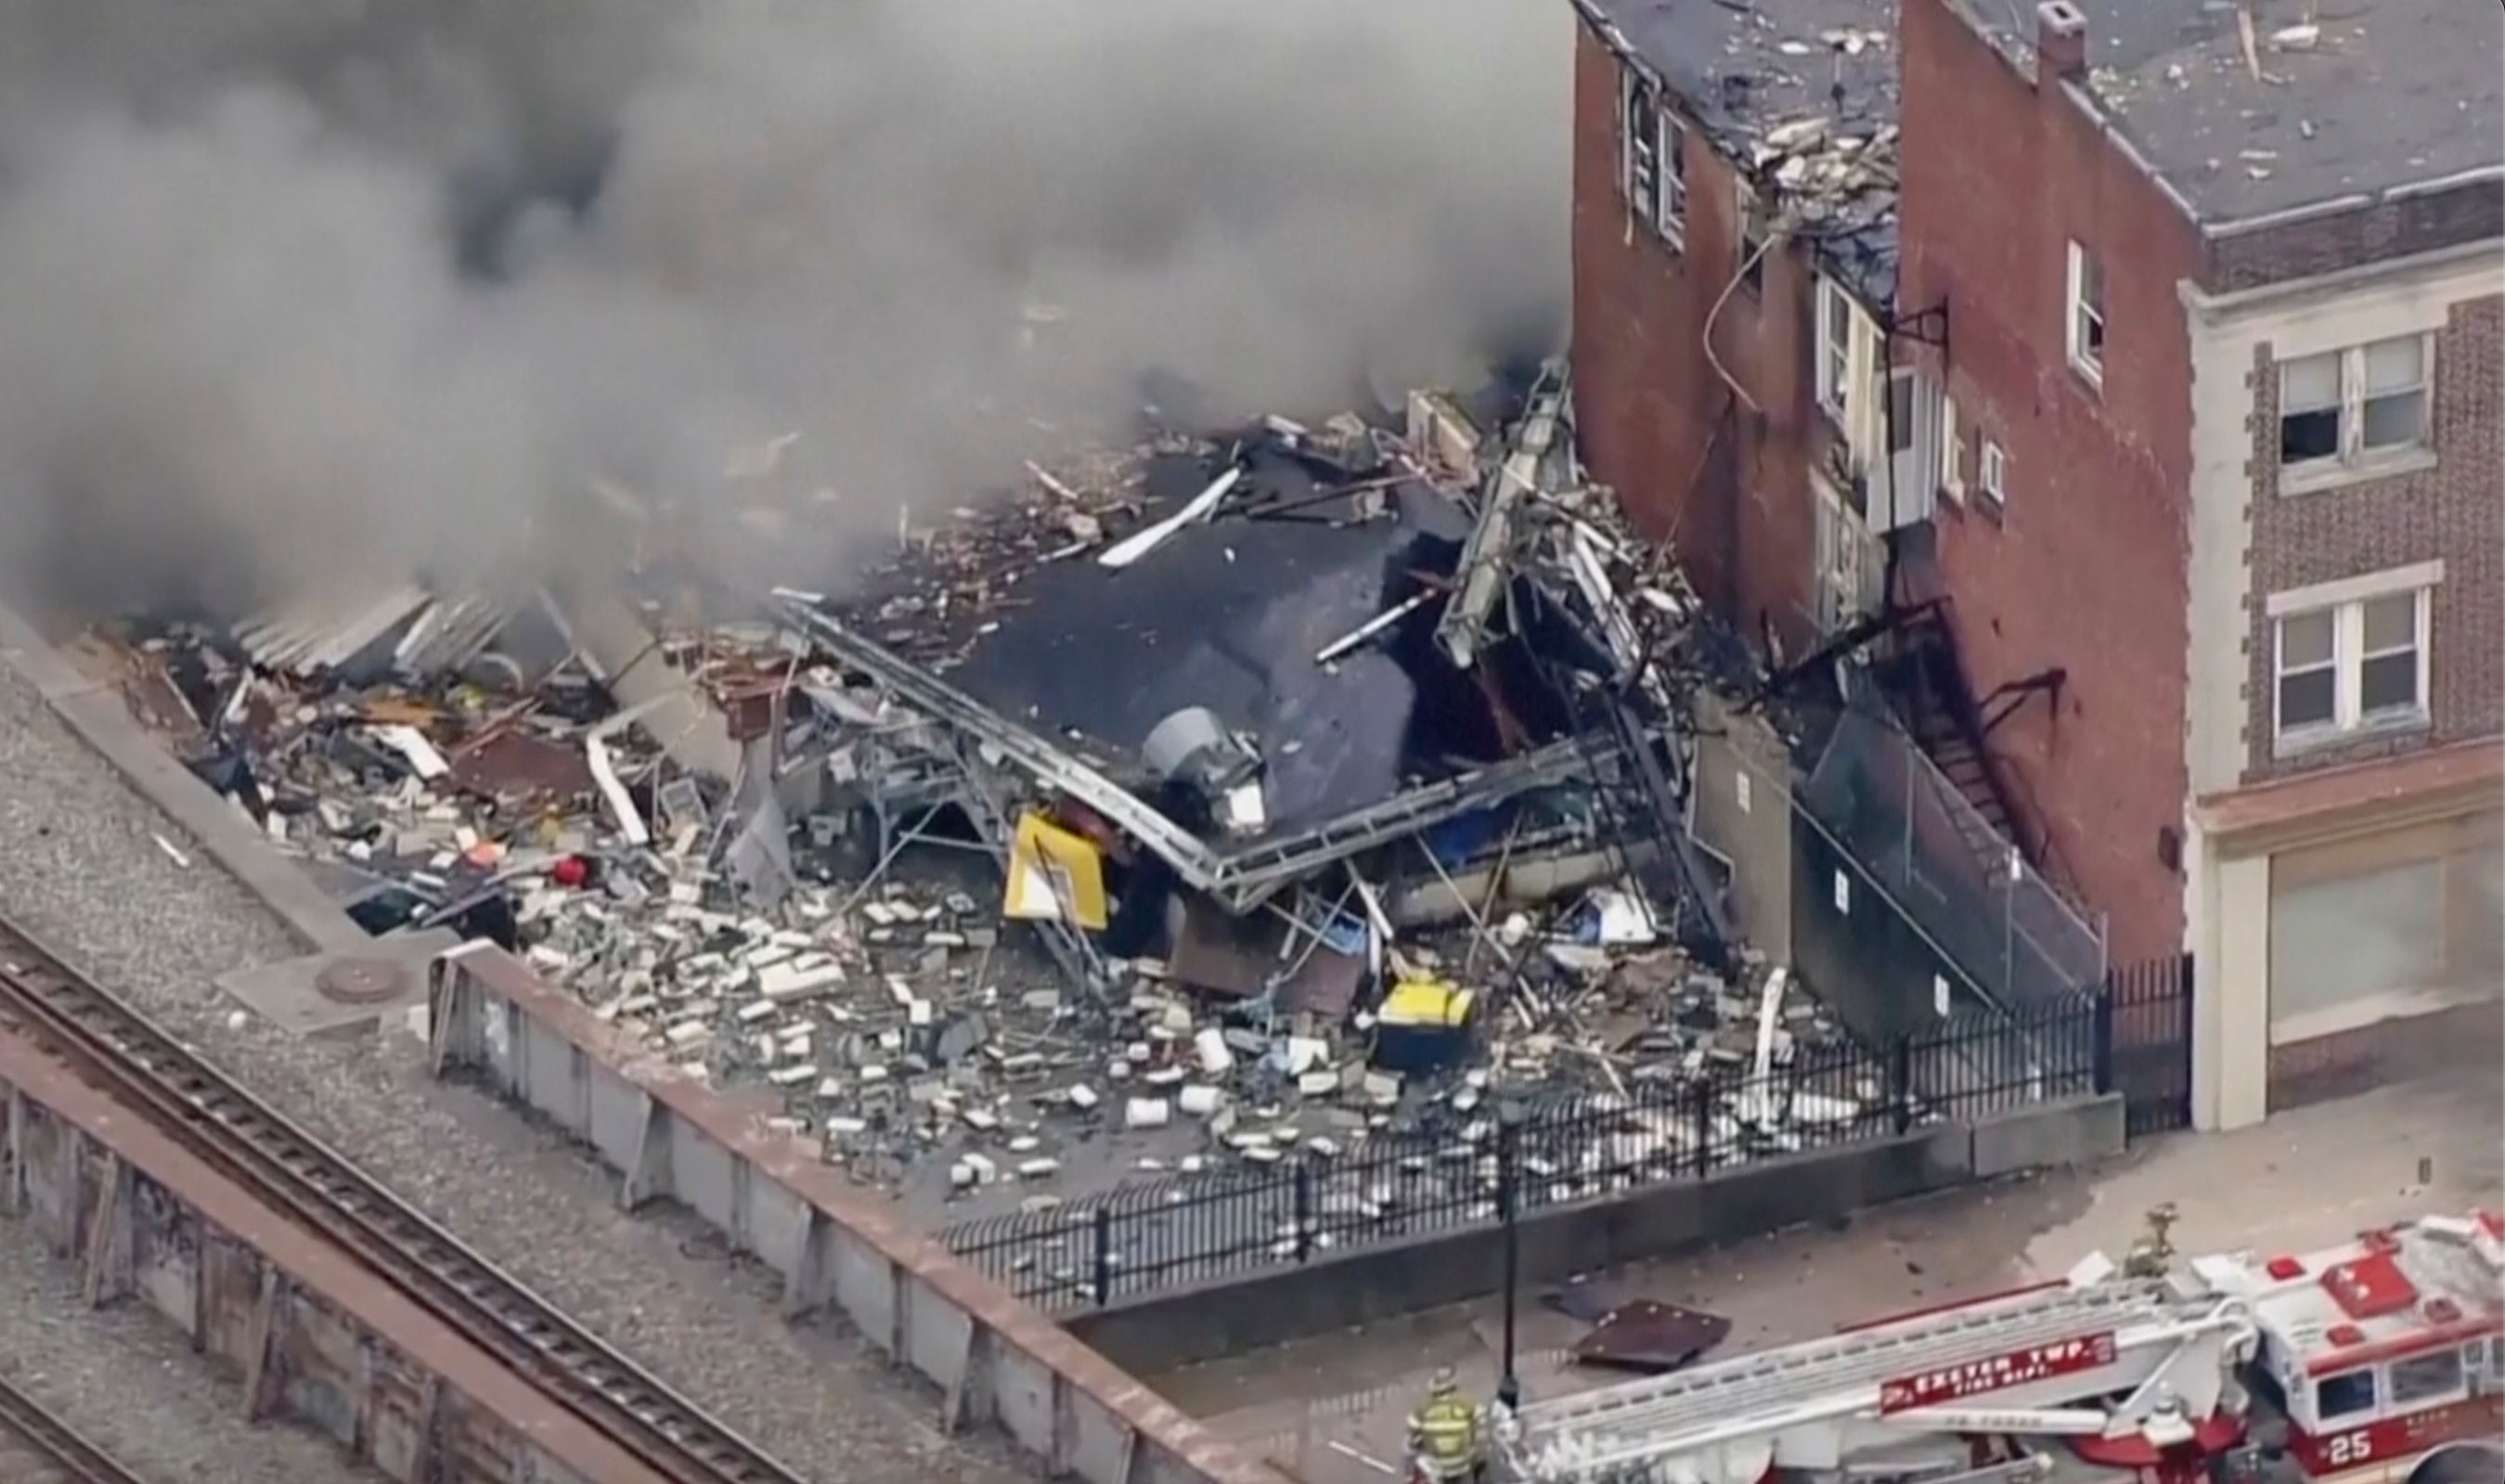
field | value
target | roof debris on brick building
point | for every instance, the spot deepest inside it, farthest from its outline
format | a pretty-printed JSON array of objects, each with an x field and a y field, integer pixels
[
  {"x": 1801, "y": 96},
  {"x": 2252, "y": 110},
  {"x": 1338, "y": 769}
]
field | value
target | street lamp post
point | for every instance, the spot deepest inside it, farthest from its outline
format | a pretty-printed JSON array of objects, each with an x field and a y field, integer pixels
[{"x": 1509, "y": 1114}]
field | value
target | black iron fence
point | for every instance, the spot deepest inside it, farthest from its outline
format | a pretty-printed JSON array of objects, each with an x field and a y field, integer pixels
[
  {"x": 2148, "y": 1048},
  {"x": 1460, "y": 1172}
]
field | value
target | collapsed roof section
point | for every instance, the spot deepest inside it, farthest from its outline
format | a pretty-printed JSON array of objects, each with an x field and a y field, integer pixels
[{"x": 1322, "y": 650}]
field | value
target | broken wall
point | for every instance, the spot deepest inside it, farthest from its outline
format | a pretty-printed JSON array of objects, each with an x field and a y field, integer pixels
[
  {"x": 1654, "y": 419},
  {"x": 1744, "y": 813}
]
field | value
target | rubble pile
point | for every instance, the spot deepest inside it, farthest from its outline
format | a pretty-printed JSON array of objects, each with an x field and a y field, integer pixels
[{"x": 1339, "y": 770}]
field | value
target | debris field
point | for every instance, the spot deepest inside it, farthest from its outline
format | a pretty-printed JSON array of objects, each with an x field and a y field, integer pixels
[{"x": 1200, "y": 805}]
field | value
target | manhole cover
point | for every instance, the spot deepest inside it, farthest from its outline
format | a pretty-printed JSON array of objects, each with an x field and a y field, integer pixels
[{"x": 360, "y": 981}]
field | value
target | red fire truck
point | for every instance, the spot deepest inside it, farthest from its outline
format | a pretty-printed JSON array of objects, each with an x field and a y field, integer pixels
[{"x": 2378, "y": 1361}]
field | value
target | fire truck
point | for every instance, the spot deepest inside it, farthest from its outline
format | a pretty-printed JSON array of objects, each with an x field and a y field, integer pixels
[{"x": 2378, "y": 1361}]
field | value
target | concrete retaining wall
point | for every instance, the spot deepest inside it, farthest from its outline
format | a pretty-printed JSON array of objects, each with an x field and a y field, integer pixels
[
  {"x": 316, "y": 1339},
  {"x": 996, "y": 1360},
  {"x": 1184, "y": 1327}
]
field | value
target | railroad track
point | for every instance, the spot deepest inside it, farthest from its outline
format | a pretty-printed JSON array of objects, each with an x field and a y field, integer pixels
[
  {"x": 32, "y": 1438},
  {"x": 129, "y": 1057}
]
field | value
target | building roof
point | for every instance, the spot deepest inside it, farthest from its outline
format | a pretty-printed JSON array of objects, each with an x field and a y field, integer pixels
[
  {"x": 2372, "y": 97},
  {"x": 1752, "y": 75}
]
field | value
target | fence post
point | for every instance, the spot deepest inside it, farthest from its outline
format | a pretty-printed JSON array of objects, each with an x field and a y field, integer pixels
[
  {"x": 1700, "y": 1113},
  {"x": 1305, "y": 1208},
  {"x": 1906, "y": 753},
  {"x": 2104, "y": 1051},
  {"x": 1901, "y": 1081},
  {"x": 1104, "y": 1215},
  {"x": 2011, "y": 878}
]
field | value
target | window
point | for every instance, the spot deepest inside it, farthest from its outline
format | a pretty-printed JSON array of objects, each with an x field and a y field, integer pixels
[
  {"x": 1992, "y": 472},
  {"x": 1652, "y": 168},
  {"x": 1753, "y": 241},
  {"x": 2087, "y": 319},
  {"x": 1900, "y": 412},
  {"x": 2388, "y": 662},
  {"x": 2347, "y": 408},
  {"x": 2351, "y": 666},
  {"x": 1951, "y": 452},
  {"x": 2426, "y": 1378},
  {"x": 1674, "y": 179},
  {"x": 1639, "y": 145},
  {"x": 2308, "y": 670},
  {"x": 1834, "y": 348},
  {"x": 2344, "y": 1394}
]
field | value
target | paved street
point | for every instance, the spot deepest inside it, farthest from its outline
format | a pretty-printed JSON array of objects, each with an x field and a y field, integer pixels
[{"x": 1327, "y": 1408}]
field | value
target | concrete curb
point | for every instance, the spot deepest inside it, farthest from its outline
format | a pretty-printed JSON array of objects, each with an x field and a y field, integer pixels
[{"x": 98, "y": 716}]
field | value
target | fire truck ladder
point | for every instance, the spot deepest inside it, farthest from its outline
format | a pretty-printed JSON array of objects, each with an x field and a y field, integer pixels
[{"x": 1634, "y": 1430}]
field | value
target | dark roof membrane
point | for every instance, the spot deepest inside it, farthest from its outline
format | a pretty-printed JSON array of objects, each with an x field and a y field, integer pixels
[{"x": 1229, "y": 616}]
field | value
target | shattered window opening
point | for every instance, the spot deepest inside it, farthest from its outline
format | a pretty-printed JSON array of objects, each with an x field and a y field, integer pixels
[
  {"x": 1753, "y": 241},
  {"x": 1639, "y": 132},
  {"x": 1834, "y": 349},
  {"x": 1673, "y": 171},
  {"x": 2087, "y": 317},
  {"x": 1848, "y": 564},
  {"x": 2350, "y": 409}
]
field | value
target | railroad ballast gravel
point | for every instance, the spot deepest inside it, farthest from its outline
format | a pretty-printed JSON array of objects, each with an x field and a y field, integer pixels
[{"x": 85, "y": 873}]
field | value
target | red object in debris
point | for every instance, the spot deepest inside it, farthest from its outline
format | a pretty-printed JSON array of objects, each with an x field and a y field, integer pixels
[{"x": 573, "y": 871}]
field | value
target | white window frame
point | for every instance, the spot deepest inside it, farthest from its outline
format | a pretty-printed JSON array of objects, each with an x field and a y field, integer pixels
[
  {"x": 2346, "y": 604},
  {"x": 1952, "y": 450},
  {"x": 2087, "y": 359},
  {"x": 1834, "y": 369},
  {"x": 1638, "y": 148},
  {"x": 1670, "y": 175},
  {"x": 1992, "y": 474},
  {"x": 2351, "y": 458}
]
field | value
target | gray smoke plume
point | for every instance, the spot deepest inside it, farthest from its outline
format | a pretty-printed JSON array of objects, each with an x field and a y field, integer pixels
[{"x": 292, "y": 288}]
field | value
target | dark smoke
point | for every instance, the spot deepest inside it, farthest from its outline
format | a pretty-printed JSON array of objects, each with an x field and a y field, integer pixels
[{"x": 307, "y": 288}]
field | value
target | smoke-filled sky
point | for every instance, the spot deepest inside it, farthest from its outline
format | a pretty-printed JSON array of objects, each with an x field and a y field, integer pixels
[{"x": 295, "y": 287}]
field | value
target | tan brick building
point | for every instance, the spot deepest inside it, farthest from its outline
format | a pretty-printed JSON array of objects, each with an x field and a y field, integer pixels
[{"x": 2193, "y": 338}]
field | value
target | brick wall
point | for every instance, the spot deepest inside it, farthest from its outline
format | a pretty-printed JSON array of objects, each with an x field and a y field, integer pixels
[
  {"x": 1648, "y": 401},
  {"x": 2086, "y": 569},
  {"x": 2377, "y": 233},
  {"x": 2454, "y": 511}
]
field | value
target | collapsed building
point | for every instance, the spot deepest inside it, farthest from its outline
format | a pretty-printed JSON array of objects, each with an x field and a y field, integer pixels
[{"x": 1340, "y": 770}]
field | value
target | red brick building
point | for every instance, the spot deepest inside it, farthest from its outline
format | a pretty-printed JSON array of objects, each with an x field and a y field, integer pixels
[
  {"x": 2224, "y": 313},
  {"x": 1719, "y": 168},
  {"x": 2190, "y": 336}
]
